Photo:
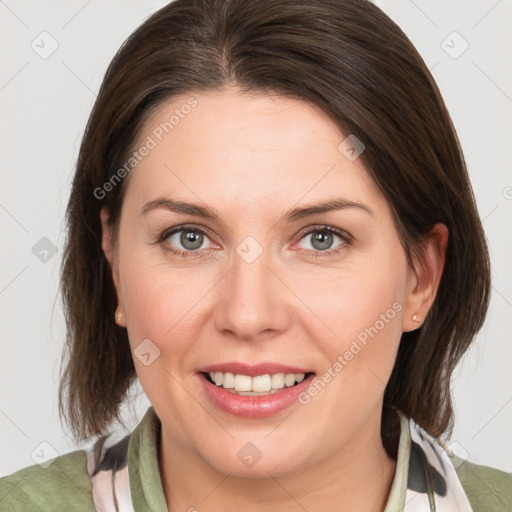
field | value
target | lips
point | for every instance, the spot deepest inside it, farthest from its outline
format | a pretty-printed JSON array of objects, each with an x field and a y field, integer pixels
[
  {"x": 254, "y": 404},
  {"x": 253, "y": 370}
]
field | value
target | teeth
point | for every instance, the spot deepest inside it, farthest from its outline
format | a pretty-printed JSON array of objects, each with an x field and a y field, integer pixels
[
  {"x": 243, "y": 383},
  {"x": 261, "y": 384},
  {"x": 278, "y": 381},
  {"x": 289, "y": 380},
  {"x": 228, "y": 381}
]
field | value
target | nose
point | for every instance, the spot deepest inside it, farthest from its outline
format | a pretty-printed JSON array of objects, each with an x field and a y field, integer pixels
[{"x": 253, "y": 300}]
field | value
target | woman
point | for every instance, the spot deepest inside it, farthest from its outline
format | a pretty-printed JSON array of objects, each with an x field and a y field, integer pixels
[{"x": 268, "y": 229}]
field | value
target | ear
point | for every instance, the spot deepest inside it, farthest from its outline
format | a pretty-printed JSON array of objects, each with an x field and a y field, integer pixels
[
  {"x": 106, "y": 238},
  {"x": 425, "y": 277},
  {"x": 110, "y": 254}
]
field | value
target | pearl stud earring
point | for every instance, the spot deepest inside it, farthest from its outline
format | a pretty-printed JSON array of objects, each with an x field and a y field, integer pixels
[{"x": 118, "y": 317}]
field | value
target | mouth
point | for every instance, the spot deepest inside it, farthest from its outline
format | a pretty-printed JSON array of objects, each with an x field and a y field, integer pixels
[
  {"x": 259, "y": 385},
  {"x": 248, "y": 392}
]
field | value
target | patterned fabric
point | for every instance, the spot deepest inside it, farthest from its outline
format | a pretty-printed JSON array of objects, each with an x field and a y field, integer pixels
[
  {"x": 432, "y": 482},
  {"x": 107, "y": 465},
  {"x": 425, "y": 478}
]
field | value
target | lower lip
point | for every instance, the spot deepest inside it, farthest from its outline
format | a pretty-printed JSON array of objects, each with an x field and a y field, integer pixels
[{"x": 261, "y": 406}]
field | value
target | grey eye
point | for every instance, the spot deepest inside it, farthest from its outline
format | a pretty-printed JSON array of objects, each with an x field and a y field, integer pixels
[
  {"x": 321, "y": 239},
  {"x": 187, "y": 238}
]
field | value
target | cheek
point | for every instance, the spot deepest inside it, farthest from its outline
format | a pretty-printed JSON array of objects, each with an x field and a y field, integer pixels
[
  {"x": 364, "y": 311},
  {"x": 159, "y": 305},
  {"x": 364, "y": 317},
  {"x": 158, "y": 299},
  {"x": 162, "y": 322}
]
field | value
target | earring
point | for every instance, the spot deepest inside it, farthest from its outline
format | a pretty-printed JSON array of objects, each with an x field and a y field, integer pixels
[
  {"x": 416, "y": 318},
  {"x": 118, "y": 317}
]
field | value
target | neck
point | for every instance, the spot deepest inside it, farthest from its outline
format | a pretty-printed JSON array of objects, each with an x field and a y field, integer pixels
[{"x": 357, "y": 478}]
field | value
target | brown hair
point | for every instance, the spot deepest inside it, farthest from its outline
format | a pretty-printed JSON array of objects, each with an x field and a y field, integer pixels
[{"x": 350, "y": 60}]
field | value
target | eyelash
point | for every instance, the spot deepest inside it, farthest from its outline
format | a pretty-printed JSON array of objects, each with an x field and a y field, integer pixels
[{"x": 345, "y": 237}]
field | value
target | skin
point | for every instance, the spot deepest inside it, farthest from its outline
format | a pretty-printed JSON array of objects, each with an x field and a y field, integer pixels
[{"x": 252, "y": 158}]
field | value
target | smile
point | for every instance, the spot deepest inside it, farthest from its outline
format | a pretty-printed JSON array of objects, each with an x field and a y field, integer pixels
[
  {"x": 254, "y": 386},
  {"x": 253, "y": 391}
]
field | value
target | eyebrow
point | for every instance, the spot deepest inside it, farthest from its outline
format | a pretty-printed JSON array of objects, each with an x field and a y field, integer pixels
[{"x": 292, "y": 215}]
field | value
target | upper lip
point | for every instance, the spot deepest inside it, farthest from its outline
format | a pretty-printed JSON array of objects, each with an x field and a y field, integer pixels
[{"x": 252, "y": 370}]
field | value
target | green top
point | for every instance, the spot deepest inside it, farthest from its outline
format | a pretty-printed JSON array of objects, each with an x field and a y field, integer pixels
[{"x": 65, "y": 483}]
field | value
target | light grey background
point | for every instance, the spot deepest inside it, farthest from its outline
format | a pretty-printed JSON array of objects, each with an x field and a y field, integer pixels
[{"x": 45, "y": 103}]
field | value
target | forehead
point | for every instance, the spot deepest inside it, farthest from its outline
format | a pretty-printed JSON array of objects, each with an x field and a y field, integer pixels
[
  {"x": 225, "y": 146},
  {"x": 228, "y": 120}
]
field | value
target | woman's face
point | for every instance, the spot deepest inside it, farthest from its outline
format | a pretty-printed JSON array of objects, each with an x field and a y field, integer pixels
[{"x": 254, "y": 290}]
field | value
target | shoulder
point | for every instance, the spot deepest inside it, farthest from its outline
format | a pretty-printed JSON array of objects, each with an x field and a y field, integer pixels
[
  {"x": 488, "y": 489},
  {"x": 62, "y": 484}
]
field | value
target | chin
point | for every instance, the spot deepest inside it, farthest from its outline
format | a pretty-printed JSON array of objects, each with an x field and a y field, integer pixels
[{"x": 255, "y": 460}]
